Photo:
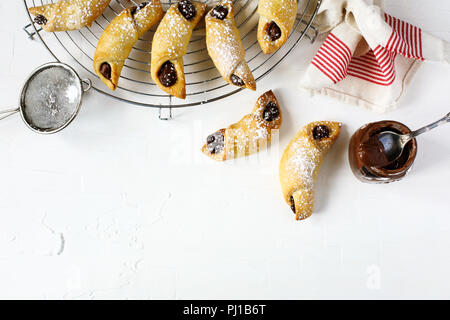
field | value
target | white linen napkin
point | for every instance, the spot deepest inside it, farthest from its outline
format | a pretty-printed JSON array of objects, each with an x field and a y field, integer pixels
[{"x": 369, "y": 56}]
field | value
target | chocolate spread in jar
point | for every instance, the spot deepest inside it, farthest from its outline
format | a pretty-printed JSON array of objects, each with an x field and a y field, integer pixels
[
  {"x": 372, "y": 153},
  {"x": 367, "y": 160}
]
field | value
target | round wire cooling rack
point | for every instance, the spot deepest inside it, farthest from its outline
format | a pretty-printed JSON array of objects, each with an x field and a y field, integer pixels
[{"x": 203, "y": 82}]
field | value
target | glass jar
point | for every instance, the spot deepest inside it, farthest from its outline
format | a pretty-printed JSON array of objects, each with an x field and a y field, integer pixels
[{"x": 390, "y": 173}]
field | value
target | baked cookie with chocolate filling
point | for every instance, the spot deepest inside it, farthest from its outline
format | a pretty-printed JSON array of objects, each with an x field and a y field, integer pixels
[
  {"x": 301, "y": 163},
  {"x": 117, "y": 41},
  {"x": 276, "y": 20},
  {"x": 248, "y": 136},
  {"x": 170, "y": 44},
  {"x": 225, "y": 48},
  {"x": 66, "y": 15}
]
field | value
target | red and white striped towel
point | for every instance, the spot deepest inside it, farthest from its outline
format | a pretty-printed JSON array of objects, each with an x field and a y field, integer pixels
[{"x": 370, "y": 56}]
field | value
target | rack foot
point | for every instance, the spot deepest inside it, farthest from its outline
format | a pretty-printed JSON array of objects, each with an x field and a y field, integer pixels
[
  {"x": 165, "y": 117},
  {"x": 314, "y": 33},
  {"x": 31, "y": 31}
]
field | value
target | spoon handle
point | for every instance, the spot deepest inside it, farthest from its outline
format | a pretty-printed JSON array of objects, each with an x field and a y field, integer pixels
[{"x": 429, "y": 127}]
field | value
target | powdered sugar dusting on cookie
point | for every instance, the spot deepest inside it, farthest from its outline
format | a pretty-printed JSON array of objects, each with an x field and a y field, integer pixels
[
  {"x": 117, "y": 41},
  {"x": 252, "y": 133},
  {"x": 146, "y": 17},
  {"x": 124, "y": 32},
  {"x": 247, "y": 137},
  {"x": 224, "y": 41},
  {"x": 283, "y": 14},
  {"x": 119, "y": 37},
  {"x": 278, "y": 10},
  {"x": 308, "y": 154},
  {"x": 301, "y": 163},
  {"x": 70, "y": 15},
  {"x": 173, "y": 31}
]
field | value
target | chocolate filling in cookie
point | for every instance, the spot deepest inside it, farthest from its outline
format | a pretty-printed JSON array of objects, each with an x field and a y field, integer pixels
[
  {"x": 292, "y": 204},
  {"x": 40, "y": 20},
  {"x": 135, "y": 9},
  {"x": 219, "y": 12},
  {"x": 105, "y": 70},
  {"x": 273, "y": 31},
  {"x": 167, "y": 74},
  {"x": 236, "y": 80},
  {"x": 187, "y": 9},
  {"x": 321, "y": 132},
  {"x": 215, "y": 142},
  {"x": 271, "y": 112},
  {"x": 143, "y": 5}
]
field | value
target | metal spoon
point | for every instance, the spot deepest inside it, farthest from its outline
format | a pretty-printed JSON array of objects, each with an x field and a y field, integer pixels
[{"x": 394, "y": 143}]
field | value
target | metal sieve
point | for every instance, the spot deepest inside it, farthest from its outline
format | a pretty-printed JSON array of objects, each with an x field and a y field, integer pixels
[{"x": 51, "y": 98}]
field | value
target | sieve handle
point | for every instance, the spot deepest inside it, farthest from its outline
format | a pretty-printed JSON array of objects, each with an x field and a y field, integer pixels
[
  {"x": 87, "y": 84},
  {"x": 8, "y": 113}
]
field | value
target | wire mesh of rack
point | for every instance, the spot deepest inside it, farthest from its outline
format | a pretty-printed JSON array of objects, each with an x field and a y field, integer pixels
[{"x": 203, "y": 82}]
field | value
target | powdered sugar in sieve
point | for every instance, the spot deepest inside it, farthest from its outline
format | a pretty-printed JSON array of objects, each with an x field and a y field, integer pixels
[{"x": 51, "y": 98}]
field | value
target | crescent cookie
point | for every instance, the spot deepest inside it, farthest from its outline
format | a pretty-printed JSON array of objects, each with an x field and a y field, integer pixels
[
  {"x": 225, "y": 47},
  {"x": 301, "y": 163},
  {"x": 276, "y": 20},
  {"x": 248, "y": 136},
  {"x": 170, "y": 45},
  {"x": 66, "y": 15},
  {"x": 118, "y": 39}
]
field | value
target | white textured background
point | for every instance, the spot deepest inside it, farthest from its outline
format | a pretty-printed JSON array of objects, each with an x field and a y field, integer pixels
[{"x": 123, "y": 205}]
